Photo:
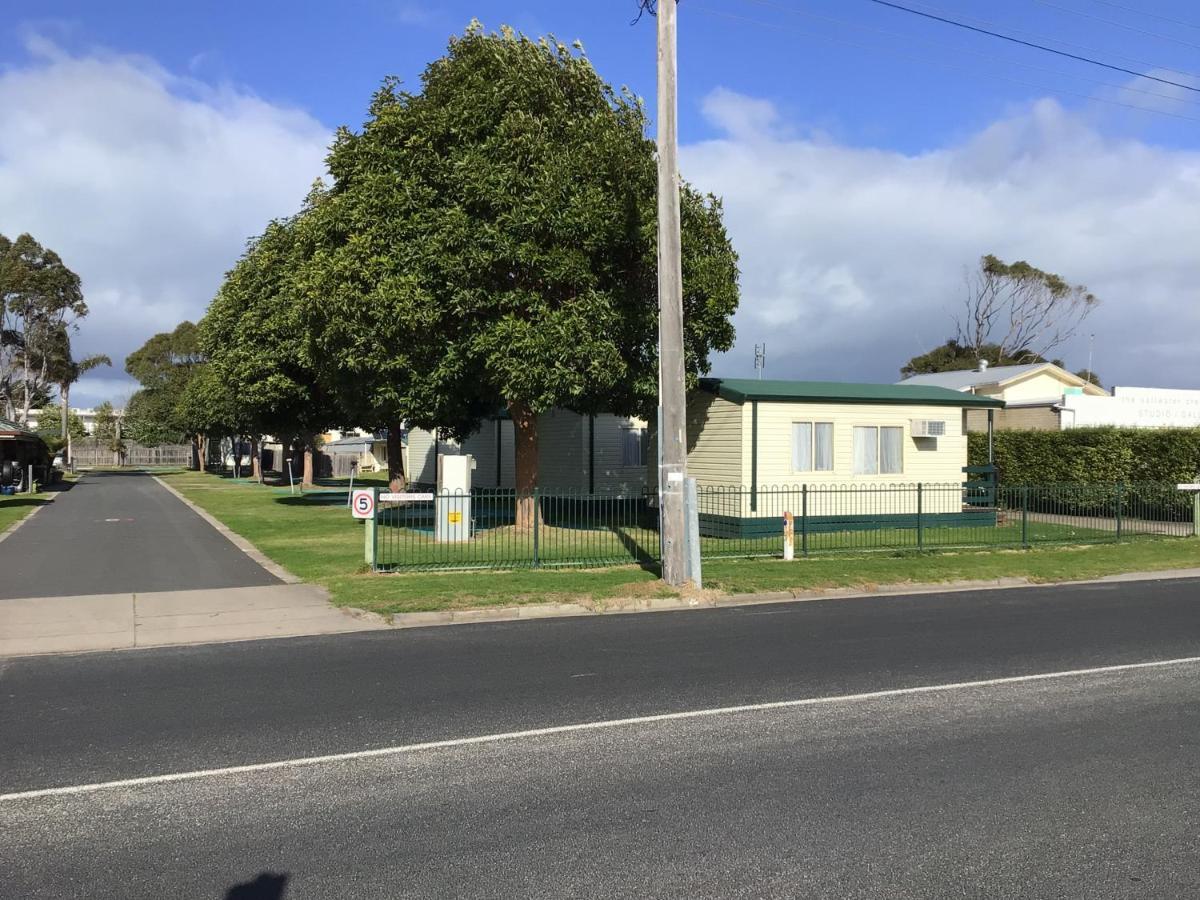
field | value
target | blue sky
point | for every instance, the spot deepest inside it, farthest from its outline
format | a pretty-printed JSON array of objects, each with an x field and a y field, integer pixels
[{"x": 866, "y": 155}]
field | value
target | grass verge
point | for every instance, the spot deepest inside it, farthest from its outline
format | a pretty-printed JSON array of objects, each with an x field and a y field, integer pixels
[
  {"x": 17, "y": 507},
  {"x": 319, "y": 542}
]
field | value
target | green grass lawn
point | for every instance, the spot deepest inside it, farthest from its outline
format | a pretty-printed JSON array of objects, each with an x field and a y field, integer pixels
[
  {"x": 314, "y": 536},
  {"x": 17, "y": 507}
]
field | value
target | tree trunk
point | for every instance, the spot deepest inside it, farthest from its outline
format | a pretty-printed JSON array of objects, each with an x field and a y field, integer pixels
[
  {"x": 395, "y": 457},
  {"x": 65, "y": 396},
  {"x": 308, "y": 465},
  {"x": 525, "y": 436},
  {"x": 255, "y": 460},
  {"x": 198, "y": 445}
]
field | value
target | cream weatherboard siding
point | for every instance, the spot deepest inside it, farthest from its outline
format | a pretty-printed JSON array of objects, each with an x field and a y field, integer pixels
[
  {"x": 1042, "y": 385},
  {"x": 714, "y": 432},
  {"x": 926, "y": 460}
]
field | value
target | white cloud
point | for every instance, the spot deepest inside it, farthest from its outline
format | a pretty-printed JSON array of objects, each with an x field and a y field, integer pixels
[
  {"x": 853, "y": 258},
  {"x": 148, "y": 184}
]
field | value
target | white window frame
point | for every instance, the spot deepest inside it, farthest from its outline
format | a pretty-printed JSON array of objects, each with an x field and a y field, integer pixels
[
  {"x": 813, "y": 428},
  {"x": 878, "y": 447}
]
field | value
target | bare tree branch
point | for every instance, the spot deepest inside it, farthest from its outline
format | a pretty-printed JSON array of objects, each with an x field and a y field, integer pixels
[{"x": 1020, "y": 309}]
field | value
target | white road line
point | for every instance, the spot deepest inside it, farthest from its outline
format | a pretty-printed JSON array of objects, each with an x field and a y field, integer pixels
[{"x": 585, "y": 726}]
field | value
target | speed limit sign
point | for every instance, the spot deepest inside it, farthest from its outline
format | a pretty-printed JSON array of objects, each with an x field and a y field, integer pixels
[{"x": 362, "y": 504}]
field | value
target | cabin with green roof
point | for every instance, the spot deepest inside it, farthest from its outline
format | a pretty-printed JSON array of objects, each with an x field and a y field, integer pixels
[{"x": 755, "y": 446}]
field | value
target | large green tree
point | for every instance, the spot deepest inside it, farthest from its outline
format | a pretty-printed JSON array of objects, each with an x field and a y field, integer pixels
[
  {"x": 255, "y": 340},
  {"x": 38, "y": 296},
  {"x": 164, "y": 366},
  {"x": 489, "y": 243}
]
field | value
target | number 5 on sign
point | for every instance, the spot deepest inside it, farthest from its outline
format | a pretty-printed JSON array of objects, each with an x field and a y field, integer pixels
[{"x": 362, "y": 504}]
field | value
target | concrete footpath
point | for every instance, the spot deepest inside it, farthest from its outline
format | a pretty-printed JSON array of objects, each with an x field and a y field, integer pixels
[{"x": 36, "y": 625}]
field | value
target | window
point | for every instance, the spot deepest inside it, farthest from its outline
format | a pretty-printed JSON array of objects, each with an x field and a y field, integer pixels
[
  {"x": 878, "y": 450},
  {"x": 632, "y": 440},
  {"x": 891, "y": 450},
  {"x": 812, "y": 446}
]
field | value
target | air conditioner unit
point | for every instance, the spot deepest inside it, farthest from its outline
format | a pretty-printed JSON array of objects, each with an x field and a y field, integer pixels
[{"x": 928, "y": 428}]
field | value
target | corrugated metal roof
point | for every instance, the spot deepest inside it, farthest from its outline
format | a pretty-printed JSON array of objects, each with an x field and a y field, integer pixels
[
  {"x": 961, "y": 379},
  {"x": 739, "y": 390},
  {"x": 7, "y": 427}
]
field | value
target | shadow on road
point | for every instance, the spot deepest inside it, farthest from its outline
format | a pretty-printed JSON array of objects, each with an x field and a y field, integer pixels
[{"x": 267, "y": 886}]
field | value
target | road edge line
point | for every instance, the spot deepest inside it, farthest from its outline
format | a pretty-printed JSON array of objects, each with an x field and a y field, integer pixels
[{"x": 603, "y": 725}]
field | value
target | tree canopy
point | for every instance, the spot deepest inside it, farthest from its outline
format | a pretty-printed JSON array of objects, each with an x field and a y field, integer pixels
[
  {"x": 1011, "y": 314},
  {"x": 39, "y": 299},
  {"x": 953, "y": 356},
  {"x": 489, "y": 243}
]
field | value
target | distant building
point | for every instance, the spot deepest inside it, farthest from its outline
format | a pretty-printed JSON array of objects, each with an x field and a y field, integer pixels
[
  {"x": 1133, "y": 407},
  {"x": 1033, "y": 394},
  {"x": 87, "y": 415}
]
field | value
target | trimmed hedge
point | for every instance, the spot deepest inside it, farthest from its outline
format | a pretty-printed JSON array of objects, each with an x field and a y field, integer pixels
[{"x": 1093, "y": 455}]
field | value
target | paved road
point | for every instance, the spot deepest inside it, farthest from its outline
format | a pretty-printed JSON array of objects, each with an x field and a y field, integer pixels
[
  {"x": 1075, "y": 786},
  {"x": 115, "y": 533}
]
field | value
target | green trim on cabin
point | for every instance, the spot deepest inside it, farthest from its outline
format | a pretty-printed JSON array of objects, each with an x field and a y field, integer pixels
[
  {"x": 772, "y": 526},
  {"x": 740, "y": 390},
  {"x": 753, "y": 456}
]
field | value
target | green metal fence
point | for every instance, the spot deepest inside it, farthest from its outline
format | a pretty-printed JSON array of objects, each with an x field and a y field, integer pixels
[
  {"x": 481, "y": 530},
  {"x": 737, "y": 521}
]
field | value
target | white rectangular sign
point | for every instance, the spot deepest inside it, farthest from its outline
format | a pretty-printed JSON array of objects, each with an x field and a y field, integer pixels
[
  {"x": 403, "y": 497},
  {"x": 1188, "y": 487}
]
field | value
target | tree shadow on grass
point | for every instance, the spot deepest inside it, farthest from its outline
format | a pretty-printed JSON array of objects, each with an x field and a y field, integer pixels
[
  {"x": 644, "y": 556},
  {"x": 267, "y": 886}
]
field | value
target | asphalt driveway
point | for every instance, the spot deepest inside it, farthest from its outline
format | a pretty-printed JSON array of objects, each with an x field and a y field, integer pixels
[{"x": 120, "y": 532}]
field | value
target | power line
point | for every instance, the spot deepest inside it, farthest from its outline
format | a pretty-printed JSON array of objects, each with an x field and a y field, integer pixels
[
  {"x": 990, "y": 56},
  {"x": 943, "y": 65},
  {"x": 1116, "y": 24},
  {"x": 1144, "y": 12},
  {"x": 1056, "y": 40},
  {"x": 1016, "y": 40}
]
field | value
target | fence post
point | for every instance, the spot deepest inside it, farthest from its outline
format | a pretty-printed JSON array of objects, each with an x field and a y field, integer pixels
[
  {"x": 1120, "y": 493},
  {"x": 371, "y": 529},
  {"x": 1025, "y": 516},
  {"x": 804, "y": 520},
  {"x": 920, "y": 519},
  {"x": 537, "y": 517}
]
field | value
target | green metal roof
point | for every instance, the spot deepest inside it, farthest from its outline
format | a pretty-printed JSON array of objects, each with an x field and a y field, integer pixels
[{"x": 739, "y": 390}]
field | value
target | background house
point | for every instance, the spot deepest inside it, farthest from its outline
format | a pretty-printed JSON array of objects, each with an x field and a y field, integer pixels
[
  {"x": 1033, "y": 394},
  {"x": 598, "y": 454}
]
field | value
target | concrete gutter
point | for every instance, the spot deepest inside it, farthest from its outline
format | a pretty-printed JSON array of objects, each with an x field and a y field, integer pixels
[{"x": 625, "y": 605}]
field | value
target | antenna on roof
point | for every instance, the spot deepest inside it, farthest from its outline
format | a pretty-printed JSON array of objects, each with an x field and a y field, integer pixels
[
  {"x": 1091, "y": 347},
  {"x": 760, "y": 359}
]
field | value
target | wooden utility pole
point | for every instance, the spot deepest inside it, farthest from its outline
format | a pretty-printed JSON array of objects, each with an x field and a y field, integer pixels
[{"x": 672, "y": 437}]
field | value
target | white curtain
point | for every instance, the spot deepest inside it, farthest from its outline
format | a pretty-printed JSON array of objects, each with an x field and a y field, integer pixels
[
  {"x": 824, "y": 447},
  {"x": 891, "y": 452},
  {"x": 802, "y": 447},
  {"x": 866, "y": 450}
]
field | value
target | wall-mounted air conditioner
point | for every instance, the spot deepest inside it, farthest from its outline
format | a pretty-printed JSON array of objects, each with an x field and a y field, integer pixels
[{"x": 927, "y": 428}]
